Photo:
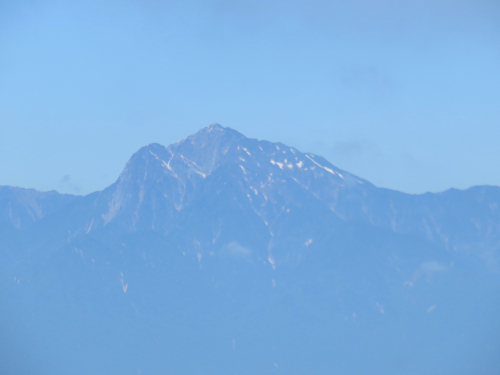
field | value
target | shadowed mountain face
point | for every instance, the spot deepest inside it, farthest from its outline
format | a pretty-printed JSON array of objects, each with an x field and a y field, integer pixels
[{"x": 222, "y": 254}]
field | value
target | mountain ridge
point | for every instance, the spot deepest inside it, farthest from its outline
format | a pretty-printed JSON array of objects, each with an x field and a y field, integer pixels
[
  {"x": 158, "y": 184},
  {"x": 222, "y": 254}
]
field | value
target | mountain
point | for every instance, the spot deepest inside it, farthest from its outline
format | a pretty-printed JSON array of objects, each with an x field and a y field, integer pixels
[
  {"x": 21, "y": 207},
  {"x": 223, "y": 254}
]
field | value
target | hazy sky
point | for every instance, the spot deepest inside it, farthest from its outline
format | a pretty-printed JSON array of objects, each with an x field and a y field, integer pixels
[{"x": 403, "y": 93}]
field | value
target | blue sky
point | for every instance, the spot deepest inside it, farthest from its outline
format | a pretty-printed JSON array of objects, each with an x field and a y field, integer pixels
[{"x": 405, "y": 94}]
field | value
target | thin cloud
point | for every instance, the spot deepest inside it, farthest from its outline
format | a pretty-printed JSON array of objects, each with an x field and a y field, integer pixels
[
  {"x": 367, "y": 80},
  {"x": 355, "y": 148},
  {"x": 67, "y": 183},
  {"x": 348, "y": 148},
  {"x": 65, "y": 179}
]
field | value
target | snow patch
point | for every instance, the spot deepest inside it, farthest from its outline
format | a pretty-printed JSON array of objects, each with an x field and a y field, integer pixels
[
  {"x": 329, "y": 170},
  {"x": 167, "y": 165},
  {"x": 271, "y": 260},
  {"x": 124, "y": 285},
  {"x": 155, "y": 156},
  {"x": 90, "y": 226}
]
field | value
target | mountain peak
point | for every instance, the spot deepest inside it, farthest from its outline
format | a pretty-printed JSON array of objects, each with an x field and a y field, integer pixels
[
  {"x": 213, "y": 132},
  {"x": 152, "y": 146},
  {"x": 261, "y": 172},
  {"x": 215, "y": 126}
]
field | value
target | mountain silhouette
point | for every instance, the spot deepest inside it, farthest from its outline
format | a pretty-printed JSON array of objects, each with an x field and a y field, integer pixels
[{"x": 222, "y": 254}]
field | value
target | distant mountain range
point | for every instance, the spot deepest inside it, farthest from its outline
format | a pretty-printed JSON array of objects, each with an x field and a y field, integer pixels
[{"x": 222, "y": 254}]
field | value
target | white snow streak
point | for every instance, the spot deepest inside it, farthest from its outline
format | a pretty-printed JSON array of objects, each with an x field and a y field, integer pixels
[
  {"x": 124, "y": 286},
  {"x": 271, "y": 260},
  {"x": 325, "y": 168}
]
